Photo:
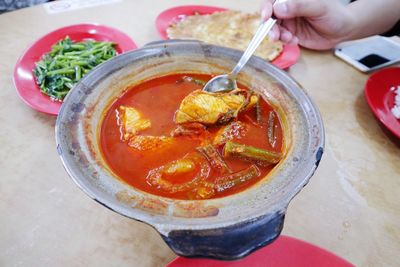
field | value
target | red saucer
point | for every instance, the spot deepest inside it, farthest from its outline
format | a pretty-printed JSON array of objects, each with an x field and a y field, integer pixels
[
  {"x": 24, "y": 80},
  {"x": 380, "y": 97},
  {"x": 288, "y": 57},
  {"x": 283, "y": 252}
]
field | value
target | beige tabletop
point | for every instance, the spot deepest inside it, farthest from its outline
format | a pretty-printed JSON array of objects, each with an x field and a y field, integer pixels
[{"x": 351, "y": 205}]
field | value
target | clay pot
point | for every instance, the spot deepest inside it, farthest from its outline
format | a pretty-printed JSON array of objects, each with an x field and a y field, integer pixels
[{"x": 225, "y": 228}]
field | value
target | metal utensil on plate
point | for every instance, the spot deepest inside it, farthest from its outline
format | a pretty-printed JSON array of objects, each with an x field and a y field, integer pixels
[{"x": 227, "y": 82}]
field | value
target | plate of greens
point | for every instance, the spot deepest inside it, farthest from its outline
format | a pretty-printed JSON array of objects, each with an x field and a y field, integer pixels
[{"x": 52, "y": 65}]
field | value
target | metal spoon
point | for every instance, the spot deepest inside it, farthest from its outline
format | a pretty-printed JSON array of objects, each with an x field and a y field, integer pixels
[{"x": 227, "y": 82}]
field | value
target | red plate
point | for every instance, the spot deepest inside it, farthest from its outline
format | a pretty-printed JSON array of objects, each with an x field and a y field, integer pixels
[
  {"x": 283, "y": 252},
  {"x": 380, "y": 97},
  {"x": 287, "y": 58},
  {"x": 24, "y": 80}
]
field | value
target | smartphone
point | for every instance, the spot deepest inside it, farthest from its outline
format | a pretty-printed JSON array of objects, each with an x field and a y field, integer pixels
[{"x": 369, "y": 54}]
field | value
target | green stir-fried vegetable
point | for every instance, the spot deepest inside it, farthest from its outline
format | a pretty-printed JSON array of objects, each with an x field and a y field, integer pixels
[{"x": 67, "y": 62}]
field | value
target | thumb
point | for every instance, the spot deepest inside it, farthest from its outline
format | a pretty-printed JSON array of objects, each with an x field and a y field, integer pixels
[
  {"x": 266, "y": 9},
  {"x": 299, "y": 8}
]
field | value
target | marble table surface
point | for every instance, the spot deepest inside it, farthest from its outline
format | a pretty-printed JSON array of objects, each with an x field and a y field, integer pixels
[{"x": 351, "y": 205}]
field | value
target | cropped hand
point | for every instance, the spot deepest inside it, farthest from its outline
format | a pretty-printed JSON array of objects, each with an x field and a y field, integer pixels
[{"x": 314, "y": 24}]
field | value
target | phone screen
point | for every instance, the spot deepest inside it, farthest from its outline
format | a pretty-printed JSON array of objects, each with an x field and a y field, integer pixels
[
  {"x": 370, "y": 53},
  {"x": 373, "y": 60}
]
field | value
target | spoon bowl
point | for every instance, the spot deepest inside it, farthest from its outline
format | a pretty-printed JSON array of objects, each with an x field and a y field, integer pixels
[
  {"x": 221, "y": 83},
  {"x": 227, "y": 82}
]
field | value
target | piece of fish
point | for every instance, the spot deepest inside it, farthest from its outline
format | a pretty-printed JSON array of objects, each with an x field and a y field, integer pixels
[
  {"x": 211, "y": 108},
  {"x": 193, "y": 130},
  {"x": 130, "y": 122},
  {"x": 235, "y": 129},
  {"x": 147, "y": 142},
  {"x": 161, "y": 177},
  {"x": 180, "y": 166}
]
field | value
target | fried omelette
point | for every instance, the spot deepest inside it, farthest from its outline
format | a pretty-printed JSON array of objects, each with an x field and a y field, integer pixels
[{"x": 232, "y": 29}]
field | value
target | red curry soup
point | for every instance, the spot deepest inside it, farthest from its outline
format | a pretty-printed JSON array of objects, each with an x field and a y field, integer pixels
[{"x": 167, "y": 137}]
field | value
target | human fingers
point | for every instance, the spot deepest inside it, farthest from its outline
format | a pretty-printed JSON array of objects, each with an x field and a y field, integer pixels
[
  {"x": 281, "y": 33},
  {"x": 299, "y": 8},
  {"x": 274, "y": 34},
  {"x": 294, "y": 41},
  {"x": 266, "y": 9},
  {"x": 286, "y": 36}
]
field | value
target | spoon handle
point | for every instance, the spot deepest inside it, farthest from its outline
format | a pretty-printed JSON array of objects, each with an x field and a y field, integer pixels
[{"x": 259, "y": 36}]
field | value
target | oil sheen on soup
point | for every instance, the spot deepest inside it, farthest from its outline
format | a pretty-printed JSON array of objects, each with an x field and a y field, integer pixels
[{"x": 167, "y": 137}]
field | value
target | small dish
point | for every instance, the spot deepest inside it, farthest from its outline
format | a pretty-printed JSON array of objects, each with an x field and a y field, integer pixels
[
  {"x": 380, "y": 97},
  {"x": 287, "y": 58},
  {"x": 285, "y": 251},
  {"x": 23, "y": 77}
]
